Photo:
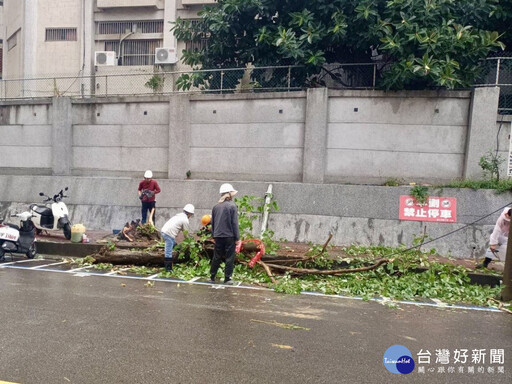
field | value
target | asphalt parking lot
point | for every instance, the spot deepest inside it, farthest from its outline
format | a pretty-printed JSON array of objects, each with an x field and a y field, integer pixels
[{"x": 63, "y": 324}]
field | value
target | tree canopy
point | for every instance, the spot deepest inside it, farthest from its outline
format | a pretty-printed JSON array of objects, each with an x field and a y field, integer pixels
[{"x": 424, "y": 43}]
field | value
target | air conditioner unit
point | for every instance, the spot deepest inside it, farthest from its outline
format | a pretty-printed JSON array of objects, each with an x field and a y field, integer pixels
[
  {"x": 166, "y": 56},
  {"x": 102, "y": 58}
]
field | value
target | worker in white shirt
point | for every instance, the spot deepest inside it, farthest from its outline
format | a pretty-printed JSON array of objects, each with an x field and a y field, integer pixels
[{"x": 170, "y": 230}]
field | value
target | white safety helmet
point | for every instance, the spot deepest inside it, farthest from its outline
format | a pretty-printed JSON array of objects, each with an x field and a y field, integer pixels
[
  {"x": 225, "y": 188},
  {"x": 189, "y": 208},
  {"x": 148, "y": 174}
]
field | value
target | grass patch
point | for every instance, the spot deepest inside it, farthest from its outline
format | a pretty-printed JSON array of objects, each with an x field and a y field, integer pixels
[{"x": 500, "y": 186}]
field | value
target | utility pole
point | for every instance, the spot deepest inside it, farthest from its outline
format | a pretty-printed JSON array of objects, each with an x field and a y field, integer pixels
[{"x": 506, "y": 293}]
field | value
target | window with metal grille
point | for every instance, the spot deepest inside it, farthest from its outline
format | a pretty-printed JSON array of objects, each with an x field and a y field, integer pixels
[
  {"x": 197, "y": 45},
  {"x": 120, "y": 27},
  {"x": 134, "y": 52},
  {"x": 60, "y": 34}
]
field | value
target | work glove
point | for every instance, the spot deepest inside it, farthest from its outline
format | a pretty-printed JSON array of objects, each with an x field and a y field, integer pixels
[{"x": 238, "y": 246}]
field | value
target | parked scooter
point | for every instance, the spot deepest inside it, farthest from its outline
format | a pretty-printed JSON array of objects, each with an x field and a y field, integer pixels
[
  {"x": 52, "y": 216},
  {"x": 18, "y": 239}
]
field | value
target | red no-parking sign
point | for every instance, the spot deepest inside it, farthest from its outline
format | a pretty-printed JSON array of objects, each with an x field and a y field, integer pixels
[{"x": 436, "y": 209}]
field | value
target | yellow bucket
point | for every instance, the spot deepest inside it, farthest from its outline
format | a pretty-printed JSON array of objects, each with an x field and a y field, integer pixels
[{"x": 77, "y": 233}]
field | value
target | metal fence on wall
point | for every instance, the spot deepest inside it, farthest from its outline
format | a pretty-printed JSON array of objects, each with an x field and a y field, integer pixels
[
  {"x": 260, "y": 79},
  {"x": 157, "y": 83},
  {"x": 497, "y": 72}
]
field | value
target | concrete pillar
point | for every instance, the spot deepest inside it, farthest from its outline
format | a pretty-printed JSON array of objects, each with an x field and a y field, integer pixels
[
  {"x": 179, "y": 137},
  {"x": 88, "y": 48},
  {"x": 62, "y": 136},
  {"x": 30, "y": 39},
  {"x": 315, "y": 135},
  {"x": 481, "y": 135},
  {"x": 169, "y": 16}
]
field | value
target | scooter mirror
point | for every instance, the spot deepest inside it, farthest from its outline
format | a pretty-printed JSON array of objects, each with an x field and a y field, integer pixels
[{"x": 41, "y": 194}]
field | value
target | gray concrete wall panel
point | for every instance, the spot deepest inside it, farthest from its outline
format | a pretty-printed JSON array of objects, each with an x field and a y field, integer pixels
[
  {"x": 271, "y": 163},
  {"x": 25, "y": 135},
  {"x": 502, "y": 135},
  {"x": 120, "y": 113},
  {"x": 134, "y": 160},
  {"x": 249, "y": 135},
  {"x": 248, "y": 111},
  {"x": 26, "y": 114},
  {"x": 25, "y": 157},
  {"x": 411, "y": 138},
  {"x": 380, "y": 165},
  {"x": 399, "y": 110},
  {"x": 146, "y": 136}
]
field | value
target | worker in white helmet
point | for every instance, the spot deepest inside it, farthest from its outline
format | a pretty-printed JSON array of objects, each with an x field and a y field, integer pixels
[
  {"x": 148, "y": 188},
  {"x": 225, "y": 232},
  {"x": 170, "y": 230},
  {"x": 499, "y": 238}
]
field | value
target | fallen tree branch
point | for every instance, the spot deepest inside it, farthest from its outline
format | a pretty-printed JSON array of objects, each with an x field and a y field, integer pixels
[
  {"x": 501, "y": 306},
  {"x": 326, "y": 243},
  {"x": 307, "y": 271},
  {"x": 268, "y": 270}
]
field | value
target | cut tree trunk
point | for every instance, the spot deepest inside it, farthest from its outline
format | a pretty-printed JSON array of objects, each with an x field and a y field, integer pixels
[{"x": 127, "y": 257}]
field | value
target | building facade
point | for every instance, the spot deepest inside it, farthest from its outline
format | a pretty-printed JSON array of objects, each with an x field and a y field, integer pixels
[{"x": 77, "y": 38}]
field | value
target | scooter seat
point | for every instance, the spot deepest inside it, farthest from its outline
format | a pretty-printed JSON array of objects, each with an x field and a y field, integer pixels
[{"x": 42, "y": 210}]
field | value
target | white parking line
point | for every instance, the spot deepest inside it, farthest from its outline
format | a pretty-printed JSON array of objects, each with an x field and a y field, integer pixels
[
  {"x": 79, "y": 269},
  {"x": 119, "y": 270},
  {"x": 49, "y": 265},
  {"x": 18, "y": 262},
  {"x": 239, "y": 286}
]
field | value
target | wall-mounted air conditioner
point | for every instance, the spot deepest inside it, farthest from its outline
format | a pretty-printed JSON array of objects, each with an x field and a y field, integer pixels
[
  {"x": 102, "y": 58},
  {"x": 166, "y": 56}
]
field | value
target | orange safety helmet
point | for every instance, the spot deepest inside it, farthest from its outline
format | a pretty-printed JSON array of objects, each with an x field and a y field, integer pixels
[{"x": 205, "y": 220}]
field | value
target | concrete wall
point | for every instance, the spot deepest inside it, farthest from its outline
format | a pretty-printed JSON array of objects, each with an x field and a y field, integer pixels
[
  {"x": 26, "y": 138},
  {"x": 501, "y": 137},
  {"x": 372, "y": 135},
  {"x": 120, "y": 138},
  {"x": 308, "y": 212},
  {"x": 314, "y": 137},
  {"x": 302, "y": 142},
  {"x": 247, "y": 139}
]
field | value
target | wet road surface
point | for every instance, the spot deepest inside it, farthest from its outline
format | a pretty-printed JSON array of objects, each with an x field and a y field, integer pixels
[{"x": 65, "y": 328}]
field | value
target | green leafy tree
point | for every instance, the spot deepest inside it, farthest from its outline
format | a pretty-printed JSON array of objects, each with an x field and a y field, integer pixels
[
  {"x": 432, "y": 44},
  {"x": 427, "y": 43}
]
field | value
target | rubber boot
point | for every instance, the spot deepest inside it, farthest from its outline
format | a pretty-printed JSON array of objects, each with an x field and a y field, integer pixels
[
  {"x": 486, "y": 262},
  {"x": 168, "y": 265}
]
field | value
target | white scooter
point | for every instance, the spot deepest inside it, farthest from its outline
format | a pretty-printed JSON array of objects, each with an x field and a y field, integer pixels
[
  {"x": 53, "y": 216},
  {"x": 18, "y": 239}
]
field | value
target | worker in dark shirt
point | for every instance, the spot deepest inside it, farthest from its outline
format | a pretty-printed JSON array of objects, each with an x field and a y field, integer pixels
[
  {"x": 225, "y": 232},
  {"x": 148, "y": 188}
]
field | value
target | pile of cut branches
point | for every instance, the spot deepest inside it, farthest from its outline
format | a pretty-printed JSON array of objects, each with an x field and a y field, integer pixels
[{"x": 313, "y": 264}]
